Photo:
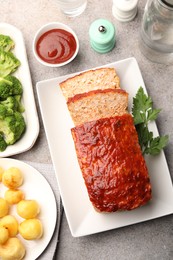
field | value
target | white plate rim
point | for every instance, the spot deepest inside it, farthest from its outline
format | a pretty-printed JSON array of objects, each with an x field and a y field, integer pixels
[
  {"x": 80, "y": 229},
  {"x": 23, "y": 73},
  {"x": 38, "y": 245}
]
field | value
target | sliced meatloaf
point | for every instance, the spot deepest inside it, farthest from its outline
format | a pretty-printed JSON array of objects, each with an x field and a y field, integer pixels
[
  {"x": 97, "y": 104},
  {"x": 101, "y": 78}
]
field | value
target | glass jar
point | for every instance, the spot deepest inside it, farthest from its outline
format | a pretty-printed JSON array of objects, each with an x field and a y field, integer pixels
[{"x": 156, "y": 39}]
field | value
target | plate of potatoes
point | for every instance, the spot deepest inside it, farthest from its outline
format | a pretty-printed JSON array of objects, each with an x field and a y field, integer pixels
[{"x": 28, "y": 211}]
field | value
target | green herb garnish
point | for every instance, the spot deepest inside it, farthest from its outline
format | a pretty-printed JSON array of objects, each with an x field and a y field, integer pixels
[{"x": 143, "y": 113}]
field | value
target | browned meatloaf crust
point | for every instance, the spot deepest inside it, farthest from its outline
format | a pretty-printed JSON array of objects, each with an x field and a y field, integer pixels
[{"x": 112, "y": 164}]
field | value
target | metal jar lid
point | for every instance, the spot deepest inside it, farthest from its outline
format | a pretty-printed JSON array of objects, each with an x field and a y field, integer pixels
[
  {"x": 169, "y": 3},
  {"x": 102, "y": 35}
]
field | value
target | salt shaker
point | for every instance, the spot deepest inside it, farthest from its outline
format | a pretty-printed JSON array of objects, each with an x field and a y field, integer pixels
[
  {"x": 125, "y": 10},
  {"x": 156, "y": 37}
]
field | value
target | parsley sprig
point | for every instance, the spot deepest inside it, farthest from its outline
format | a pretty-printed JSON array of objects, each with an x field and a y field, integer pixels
[{"x": 143, "y": 112}]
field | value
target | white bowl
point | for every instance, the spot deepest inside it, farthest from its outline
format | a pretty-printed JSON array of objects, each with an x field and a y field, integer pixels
[{"x": 50, "y": 26}]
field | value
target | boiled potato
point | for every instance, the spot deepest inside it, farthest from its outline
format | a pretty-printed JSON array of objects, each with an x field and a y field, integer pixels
[
  {"x": 12, "y": 178},
  {"x": 4, "y": 207},
  {"x": 14, "y": 196},
  {"x": 28, "y": 209},
  {"x": 1, "y": 172},
  {"x": 11, "y": 224},
  {"x": 13, "y": 249},
  {"x": 31, "y": 229},
  {"x": 4, "y": 235}
]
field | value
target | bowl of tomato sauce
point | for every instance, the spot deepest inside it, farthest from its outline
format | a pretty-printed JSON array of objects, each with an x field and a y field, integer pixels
[{"x": 55, "y": 44}]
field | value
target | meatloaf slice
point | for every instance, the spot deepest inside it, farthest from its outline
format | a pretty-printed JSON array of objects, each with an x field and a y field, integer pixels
[
  {"x": 101, "y": 78},
  {"x": 97, "y": 104},
  {"x": 112, "y": 164}
]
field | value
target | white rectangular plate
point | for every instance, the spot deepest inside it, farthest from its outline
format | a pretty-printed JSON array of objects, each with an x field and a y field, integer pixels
[
  {"x": 23, "y": 74},
  {"x": 82, "y": 218}
]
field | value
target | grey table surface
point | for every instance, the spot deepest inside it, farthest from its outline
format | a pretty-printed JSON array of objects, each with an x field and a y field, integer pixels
[{"x": 145, "y": 241}]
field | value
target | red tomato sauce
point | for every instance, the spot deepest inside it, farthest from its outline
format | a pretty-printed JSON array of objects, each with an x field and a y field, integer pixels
[{"x": 56, "y": 46}]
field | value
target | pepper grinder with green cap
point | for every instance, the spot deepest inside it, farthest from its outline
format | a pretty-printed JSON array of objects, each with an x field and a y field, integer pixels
[{"x": 102, "y": 35}]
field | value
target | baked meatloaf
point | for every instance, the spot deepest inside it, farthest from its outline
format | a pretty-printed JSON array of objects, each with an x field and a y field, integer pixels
[
  {"x": 101, "y": 78},
  {"x": 97, "y": 104},
  {"x": 112, "y": 164}
]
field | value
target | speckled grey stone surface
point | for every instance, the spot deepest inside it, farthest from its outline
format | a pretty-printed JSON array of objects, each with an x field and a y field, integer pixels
[{"x": 145, "y": 241}]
